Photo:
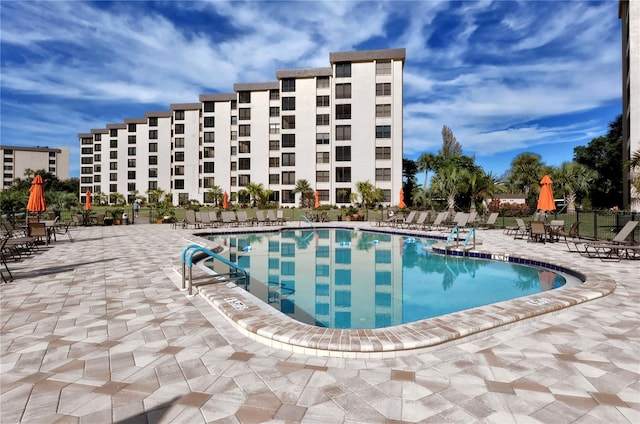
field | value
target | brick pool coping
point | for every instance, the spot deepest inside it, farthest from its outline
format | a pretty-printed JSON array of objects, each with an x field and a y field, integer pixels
[{"x": 260, "y": 322}]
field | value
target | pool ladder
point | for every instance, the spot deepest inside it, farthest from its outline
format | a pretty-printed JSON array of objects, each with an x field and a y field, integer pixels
[
  {"x": 236, "y": 273},
  {"x": 471, "y": 236}
]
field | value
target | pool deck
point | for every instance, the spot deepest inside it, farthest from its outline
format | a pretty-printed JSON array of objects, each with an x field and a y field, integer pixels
[{"x": 98, "y": 331}]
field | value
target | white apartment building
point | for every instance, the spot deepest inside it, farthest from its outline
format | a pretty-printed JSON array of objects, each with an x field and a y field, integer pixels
[
  {"x": 16, "y": 160},
  {"x": 333, "y": 126},
  {"x": 629, "y": 13}
]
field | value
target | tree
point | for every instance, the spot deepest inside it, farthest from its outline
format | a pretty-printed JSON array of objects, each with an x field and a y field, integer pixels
[
  {"x": 526, "y": 172},
  {"x": 450, "y": 146},
  {"x": 409, "y": 182},
  {"x": 604, "y": 155},
  {"x": 306, "y": 193},
  {"x": 369, "y": 195},
  {"x": 426, "y": 162},
  {"x": 448, "y": 182},
  {"x": 573, "y": 179},
  {"x": 214, "y": 195}
]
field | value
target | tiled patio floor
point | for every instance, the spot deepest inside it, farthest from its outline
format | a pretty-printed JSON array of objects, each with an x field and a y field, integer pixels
[{"x": 96, "y": 331}]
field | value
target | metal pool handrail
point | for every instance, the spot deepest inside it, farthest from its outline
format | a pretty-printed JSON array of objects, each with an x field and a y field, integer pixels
[
  {"x": 472, "y": 231},
  {"x": 454, "y": 231},
  {"x": 187, "y": 261}
]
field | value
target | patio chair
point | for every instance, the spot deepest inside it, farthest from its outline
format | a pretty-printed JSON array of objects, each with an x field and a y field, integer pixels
[
  {"x": 571, "y": 236},
  {"x": 324, "y": 216},
  {"x": 18, "y": 241},
  {"x": 614, "y": 249},
  {"x": 213, "y": 219},
  {"x": 421, "y": 221},
  {"x": 519, "y": 230},
  {"x": 408, "y": 220},
  {"x": 280, "y": 216},
  {"x": 243, "y": 219},
  {"x": 190, "y": 219},
  {"x": 38, "y": 231},
  {"x": 537, "y": 231},
  {"x": 491, "y": 221},
  {"x": 261, "y": 219},
  {"x": 205, "y": 220},
  {"x": 437, "y": 224},
  {"x": 3, "y": 260}
]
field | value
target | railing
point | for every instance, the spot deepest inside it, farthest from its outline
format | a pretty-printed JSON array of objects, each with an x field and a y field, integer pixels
[
  {"x": 455, "y": 231},
  {"x": 187, "y": 261},
  {"x": 470, "y": 236},
  {"x": 308, "y": 220}
]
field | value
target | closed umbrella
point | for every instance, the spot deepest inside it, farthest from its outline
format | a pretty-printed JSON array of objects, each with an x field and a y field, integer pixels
[
  {"x": 225, "y": 200},
  {"x": 317, "y": 199},
  {"x": 87, "y": 203},
  {"x": 545, "y": 200},
  {"x": 401, "y": 204},
  {"x": 36, "y": 196}
]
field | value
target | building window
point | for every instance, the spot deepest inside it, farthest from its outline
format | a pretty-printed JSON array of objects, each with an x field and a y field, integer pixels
[
  {"x": 234, "y": 166},
  {"x": 383, "y": 152},
  {"x": 131, "y": 163},
  {"x": 343, "y": 153},
  {"x": 209, "y": 137},
  {"x": 322, "y": 82},
  {"x": 131, "y": 139},
  {"x": 113, "y": 132},
  {"x": 209, "y": 106},
  {"x": 244, "y": 146},
  {"x": 153, "y": 134},
  {"x": 343, "y": 91},
  {"x": 343, "y": 174},
  {"x": 178, "y": 142},
  {"x": 209, "y": 152},
  {"x": 244, "y": 164},
  {"x": 131, "y": 127},
  {"x": 131, "y": 151},
  {"x": 288, "y": 140},
  {"x": 244, "y": 180},
  {"x": 113, "y": 144},
  {"x": 98, "y": 137},
  {"x": 288, "y": 103},
  {"x": 153, "y": 121},
  {"x": 322, "y": 157},
  {"x": 97, "y": 179},
  {"x": 383, "y": 111},
  {"x": 274, "y": 162},
  {"x": 234, "y": 135},
  {"x": 234, "y": 120},
  {"x": 383, "y": 174},
  {"x": 97, "y": 147},
  {"x": 86, "y": 150},
  {"x": 244, "y": 97},
  {"x": 383, "y": 67},
  {"x": 322, "y": 176},
  {"x": 153, "y": 185},
  {"x": 343, "y": 111},
  {"x": 209, "y": 121},
  {"x": 178, "y": 170},
  {"x": 179, "y": 129},
  {"x": 288, "y": 159},
  {"x": 343, "y": 132},
  {"x": 153, "y": 147},
  {"x": 131, "y": 175},
  {"x": 289, "y": 122},
  {"x": 288, "y": 85},
  {"x": 288, "y": 177},
  {"x": 178, "y": 184},
  {"x": 274, "y": 111},
  {"x": 209, "y": 167},
  {"x": 383, "y": 131},
  {"x": 113, "y": 176},
  {"x": 234, "y": 150},
  {"x": 208, "y": 182},
  {"x": 83, "y": 170},
  {"x": 234, "y": 104},
  {"x": 112, "y": 155},
  {"x": 322, "y": 138},
  {"x": 86, "y": 180},
  {"x": 274, "y": 94},
  {"x": 178, "y": 156},
  {"x": 179, "y": 115},
  {"x": 274, "y": 178},
  {"x": 84, "y": 160},
  {"x": 153, "y": 172},
  {"x": 383, "y": 89},
  {"x": 322, "y": 101},
  {"x": 322, "y": 119},
  {"x": 343, "y": 195},
  {"x": 274, "y": 144},
  {"x": 288, "y": 196},
  {"x": 153, "y": 160},
  {"x": 343, "y": 70},
  {"x": 274, "y": 128},
  {"x": 244, "y": 130},
  {"x": 244, "y": 113}
]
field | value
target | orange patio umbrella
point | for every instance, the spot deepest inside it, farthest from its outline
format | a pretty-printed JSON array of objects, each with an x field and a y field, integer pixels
[
  {"x": 87, "y": 202},
  {"x": 225, "y": 200},
  {"x": 401, "y": 204},
  {"x": 317, "y": 199},
  {"x": 545, "y": 201},
  {"x": 36, "y": 196}
]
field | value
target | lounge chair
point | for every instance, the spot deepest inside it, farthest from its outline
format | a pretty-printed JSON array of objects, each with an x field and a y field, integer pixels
[
  {"x": 408, "y": 220},
  {"x": 229, "y": 218},
  {"x": 519, "y": 230},
  {"x": 421, "y": 221},
  {"x": 571, "y": 236},
  {"x": 261, "y": 219},
  {"x": 213, "y": 219},
  {"x": 616, "y": 248},
  {"x": 18, "y": 241},
  {"x": 3, "y": 260},
  {"x": 437, "y": 224},
  {"x": 280, "y": 217},
  {"x": 491, "y": 221},
  {"x": 190, "y": 219},
  {"x": 243, "y": 219},
  {"x": 205, "y": 220}
]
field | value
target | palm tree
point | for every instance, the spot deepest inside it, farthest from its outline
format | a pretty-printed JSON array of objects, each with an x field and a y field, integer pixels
[
  {"x": 449, "y": 182},
  {"x": 369, "y": 195},
  {"x": 215, "y": 194},
  {"x": 426, "y": 162},
  {"x": 255, "y": 192},
  {"x": 306, "y": 193},
  {"x": 526, "y": 171},
  {"x": 482, "y": 186},
  {"x": 573, "y": 179}
]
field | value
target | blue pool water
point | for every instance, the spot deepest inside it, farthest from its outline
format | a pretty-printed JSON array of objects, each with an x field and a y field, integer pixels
[{"x": 356, "y": 279}]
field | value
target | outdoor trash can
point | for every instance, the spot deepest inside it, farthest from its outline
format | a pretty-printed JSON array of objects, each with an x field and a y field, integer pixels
[{"x": 125, "y": 219}]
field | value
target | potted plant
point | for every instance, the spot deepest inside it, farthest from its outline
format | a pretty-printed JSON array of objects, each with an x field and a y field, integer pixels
[{"x": 116, "y": 214}]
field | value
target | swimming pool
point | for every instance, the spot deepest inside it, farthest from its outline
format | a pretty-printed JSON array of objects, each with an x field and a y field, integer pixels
[{"x": 348, "y": 279}]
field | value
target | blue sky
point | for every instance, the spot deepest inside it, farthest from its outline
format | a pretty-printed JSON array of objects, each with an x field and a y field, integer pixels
[{"x": 505, "y": 76}]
